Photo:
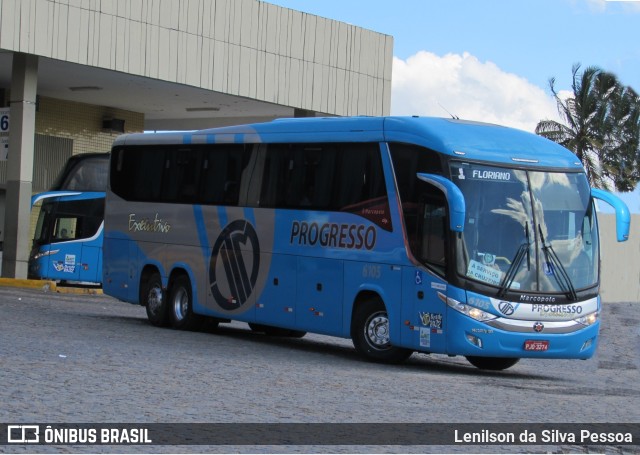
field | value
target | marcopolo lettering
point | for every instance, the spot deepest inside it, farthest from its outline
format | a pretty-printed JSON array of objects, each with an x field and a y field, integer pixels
[
  {"x": 333, "y": 235},
  {"x": 537, "y": 298},
  {"x": 491, "y": 175}
]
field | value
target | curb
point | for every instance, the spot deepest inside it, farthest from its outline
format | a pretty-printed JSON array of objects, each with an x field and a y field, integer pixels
[{"x": 47, "y": 286}]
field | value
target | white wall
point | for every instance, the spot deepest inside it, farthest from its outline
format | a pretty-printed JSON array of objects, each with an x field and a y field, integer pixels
[
  {"x": 241, "y": 47},
  {"x": 620, "y": 273}
]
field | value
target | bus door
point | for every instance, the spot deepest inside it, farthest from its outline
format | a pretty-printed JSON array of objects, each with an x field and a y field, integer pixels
[
  {"x": 440, "y": 210},
  {"x": 64, "y": 255},
  {"x": 428, "y": 216},
  {"x": 424, "y": 287}
]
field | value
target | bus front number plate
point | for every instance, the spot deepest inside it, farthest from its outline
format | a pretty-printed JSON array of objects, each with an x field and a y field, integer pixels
[{"x": 536, "y": 345}]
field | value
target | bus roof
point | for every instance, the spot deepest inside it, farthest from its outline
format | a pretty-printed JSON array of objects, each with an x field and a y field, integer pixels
[{"x": 461, "y": 138}]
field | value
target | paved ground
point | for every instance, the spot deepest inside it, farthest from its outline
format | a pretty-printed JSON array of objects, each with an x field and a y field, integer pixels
[{"x": 89, "y": 358}]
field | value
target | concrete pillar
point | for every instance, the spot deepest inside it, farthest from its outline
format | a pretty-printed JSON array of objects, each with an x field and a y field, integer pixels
[{"x": 22, "y": 100}]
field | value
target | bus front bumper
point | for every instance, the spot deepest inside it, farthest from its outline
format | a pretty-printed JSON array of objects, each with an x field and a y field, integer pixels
[{"x": 536, "y": 340}]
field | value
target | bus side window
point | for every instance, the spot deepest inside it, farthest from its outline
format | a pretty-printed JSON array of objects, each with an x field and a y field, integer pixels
[
  {"x": 222, "y": 169},
  {"x": 138, "y": 174},
  {"x": 66, "y": 228}
]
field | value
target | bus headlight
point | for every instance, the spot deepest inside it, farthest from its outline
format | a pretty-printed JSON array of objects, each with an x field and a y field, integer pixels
[
  {"x": 589, "y": 319},
  {"x": 472, "y": 312},
  {"x": 44, "y": 253}
]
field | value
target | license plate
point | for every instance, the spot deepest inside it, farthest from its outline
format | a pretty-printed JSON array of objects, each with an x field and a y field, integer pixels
[{"x": 536, "y": 345}]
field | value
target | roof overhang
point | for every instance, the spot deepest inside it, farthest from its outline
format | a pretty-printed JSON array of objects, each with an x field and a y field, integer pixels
[{"x": 165, "y": 105}]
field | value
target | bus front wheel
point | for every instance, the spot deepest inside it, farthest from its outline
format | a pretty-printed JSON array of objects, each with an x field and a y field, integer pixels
[
  {"x": 371, "y": 336},
  {"x": 492, "y": 363},
  {"x": 154, "y": 300},
  {"x": 181, "y": 304}
]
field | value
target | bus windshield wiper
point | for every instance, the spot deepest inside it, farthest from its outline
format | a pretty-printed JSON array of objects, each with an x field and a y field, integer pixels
[
  {"x": 557, "y": 269},
  {"x": 523, "y": 250}
]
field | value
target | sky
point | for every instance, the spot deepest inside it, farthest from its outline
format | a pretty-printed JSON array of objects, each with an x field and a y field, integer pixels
[{"x": 491, "y": 60}]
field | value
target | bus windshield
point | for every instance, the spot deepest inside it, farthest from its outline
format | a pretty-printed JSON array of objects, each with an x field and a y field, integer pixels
[
  {"x": 84, "y": 172},
  {"x": 528, "y": 231}
]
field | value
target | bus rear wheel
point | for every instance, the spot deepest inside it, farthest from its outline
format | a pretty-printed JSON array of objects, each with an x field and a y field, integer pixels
[
  {"x": 181, "y": 304},
  {"x": 371, "y": 335},
  {"x": 154, "y": 299},
  {"x": 492, "y": 363}
]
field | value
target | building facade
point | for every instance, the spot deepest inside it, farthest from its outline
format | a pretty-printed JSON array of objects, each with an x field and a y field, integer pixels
[{"x": 76, "y": 73}]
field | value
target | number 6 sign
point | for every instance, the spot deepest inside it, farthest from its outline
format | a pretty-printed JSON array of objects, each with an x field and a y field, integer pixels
[{"x": 4, "y": 120}]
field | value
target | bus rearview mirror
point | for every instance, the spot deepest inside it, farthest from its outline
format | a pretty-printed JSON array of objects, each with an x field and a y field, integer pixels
[{"x": 455, "y": 199}]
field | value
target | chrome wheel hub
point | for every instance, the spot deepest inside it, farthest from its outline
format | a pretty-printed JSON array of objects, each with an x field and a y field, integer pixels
[
  {"x": 377, "y": 331},
  {"x": 154, "y": 300},
  {"x": 181, "y": 304}
]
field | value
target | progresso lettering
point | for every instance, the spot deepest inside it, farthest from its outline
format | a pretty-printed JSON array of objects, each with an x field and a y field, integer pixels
[
  {"x": 333, "y": 235},
  {"x": 556, "y": 310},
  {"x": 148, "y": 225}
]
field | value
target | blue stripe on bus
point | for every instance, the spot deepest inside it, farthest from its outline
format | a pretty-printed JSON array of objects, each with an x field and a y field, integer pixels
[
  {"x": 202, "y": 232},
  {"x": 222, "y": 216},
  {"x": 249, "y": 215}
]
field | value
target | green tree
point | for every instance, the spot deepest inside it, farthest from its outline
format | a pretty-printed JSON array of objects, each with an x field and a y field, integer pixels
[{"x": 601, "y": 126}]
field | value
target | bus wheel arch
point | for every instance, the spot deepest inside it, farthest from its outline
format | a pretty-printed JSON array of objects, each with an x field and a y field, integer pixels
[
  {"x": 370, "y": 331},
  {"x": 180, "y": 302},
  {"x": 153, "y": 297}
]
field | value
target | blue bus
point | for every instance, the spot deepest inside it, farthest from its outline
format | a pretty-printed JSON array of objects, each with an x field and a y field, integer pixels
[
  {"x": 404, "y": 234},
  {"x": 67, "y": 243}
]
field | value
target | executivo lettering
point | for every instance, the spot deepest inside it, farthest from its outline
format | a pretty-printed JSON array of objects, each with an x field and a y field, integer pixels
[{"x": 148, "y": 225}]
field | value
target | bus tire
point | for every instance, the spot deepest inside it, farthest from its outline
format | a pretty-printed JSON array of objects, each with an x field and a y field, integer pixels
[
  {"x": 181, "y": 305},
  {"x": 155, "y": 301},
  {"x": 492, "y": 363},
  {"x": 276, "y": 331},
  {"x": 370, "y": 334}
]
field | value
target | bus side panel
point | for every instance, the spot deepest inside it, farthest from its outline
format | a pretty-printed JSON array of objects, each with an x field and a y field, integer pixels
[
  {"x": 90, "y": 267},
  {"x": 116, "y": 274},
  {"x": 66, "y": 263},
  {"x": 383, "y": 280},
  {"x": 276, "y": 305},
  {"x": 319, "y": 299},
  {"x": 424, "y": 310}
]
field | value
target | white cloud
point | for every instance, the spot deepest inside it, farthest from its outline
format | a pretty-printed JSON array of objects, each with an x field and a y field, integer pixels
[
  {"x": 430, "y": 85},
  {"x": 600, "y": 6}
]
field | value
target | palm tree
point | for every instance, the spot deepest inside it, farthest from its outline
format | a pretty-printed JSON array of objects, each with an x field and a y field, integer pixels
[{"x": 602, "y": 127}]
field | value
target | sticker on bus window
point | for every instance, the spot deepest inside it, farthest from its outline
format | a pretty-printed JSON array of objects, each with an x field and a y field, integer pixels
[{"x": 479, "y": 271}]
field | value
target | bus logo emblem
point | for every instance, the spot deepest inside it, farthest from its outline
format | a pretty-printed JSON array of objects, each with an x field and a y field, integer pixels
[
  {"x": 506, "y": 308},
  {"x": 238, "y": 251}
]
